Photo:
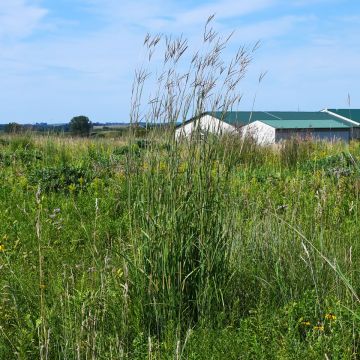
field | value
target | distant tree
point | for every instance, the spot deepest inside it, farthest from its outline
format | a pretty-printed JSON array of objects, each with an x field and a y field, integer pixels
[
  {"x": 80, "y": 126},
  {"x": 13, "y": 128}
]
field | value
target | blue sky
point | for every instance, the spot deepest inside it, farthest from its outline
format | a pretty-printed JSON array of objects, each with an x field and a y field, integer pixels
[{"x": 62, "y": 58}]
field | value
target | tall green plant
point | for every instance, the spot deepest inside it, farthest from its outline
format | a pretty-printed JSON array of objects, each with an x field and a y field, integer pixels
[{"x": 181, "y": 225}]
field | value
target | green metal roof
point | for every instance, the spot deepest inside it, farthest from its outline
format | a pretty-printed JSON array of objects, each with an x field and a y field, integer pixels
[
  {"x": 283, "y": 119},
  {"x": 241, "y": 117},
  {"x": 307, "y": 124},
  {"x": 352, "y": 114}
]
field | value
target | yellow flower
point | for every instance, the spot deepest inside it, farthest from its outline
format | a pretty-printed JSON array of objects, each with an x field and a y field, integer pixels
[
  {"x": 2, "y": 248},
  {"x": 146, "y": 166},
  {"x": 306, "y": 323},
  {"x": 162, "y": 166},
  {"x": 182, "y": 167},
  {"x": 319, "y": 328},
  {"x": 121, "y": 176},
  {"x": 330, "y": 316}
]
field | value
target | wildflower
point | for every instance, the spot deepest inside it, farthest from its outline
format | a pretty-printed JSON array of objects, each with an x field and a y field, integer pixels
[
  {"x": 306, "y": 323},
  {"x": 182, "y": 167},
  {"x": 162, "y": 166},
  {"x": 330, "y": 316},
  {"x": 2, "y": 248},
  {"x": 121, "y": 176},
  {"x": 319, "y": 327}
]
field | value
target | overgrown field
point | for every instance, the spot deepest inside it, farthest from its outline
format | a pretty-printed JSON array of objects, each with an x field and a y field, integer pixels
[{"x": 155, "y": 250}]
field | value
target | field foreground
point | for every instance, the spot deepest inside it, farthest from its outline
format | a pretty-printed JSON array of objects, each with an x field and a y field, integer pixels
[{"x": 154, "y": 250}]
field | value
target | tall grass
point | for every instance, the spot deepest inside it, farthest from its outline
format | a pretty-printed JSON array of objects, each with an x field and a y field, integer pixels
[
  {"x": 194, "y": 249},
  {"x": 157, "y": 253}
]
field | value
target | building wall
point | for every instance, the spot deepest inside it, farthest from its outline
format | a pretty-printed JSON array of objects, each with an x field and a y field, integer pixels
[
  {"x": 262, "y": 133},
  {"x": 206, "y": 123},
  {"x": 317, "y": 134},
  {"x": 355, "y": 133}
]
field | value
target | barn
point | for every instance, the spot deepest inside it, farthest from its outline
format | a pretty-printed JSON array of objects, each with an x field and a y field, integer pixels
[
  {"x": 350, "y": 115},
  {"x": 269, "y": 127}
]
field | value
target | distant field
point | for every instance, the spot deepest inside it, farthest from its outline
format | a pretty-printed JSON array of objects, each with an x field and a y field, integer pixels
[
  {"x": 113, "y": 127},
  {"x": 150, "y": 249}
]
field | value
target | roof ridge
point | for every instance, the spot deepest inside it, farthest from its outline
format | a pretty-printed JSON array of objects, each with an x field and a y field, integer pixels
[{"x": 276, "y": 117}]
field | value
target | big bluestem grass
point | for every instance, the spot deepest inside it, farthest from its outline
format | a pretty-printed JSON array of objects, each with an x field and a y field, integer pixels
[
  {"x": 146, "y": 258},
  {"x": 179, "y": 249},
  {"x": 181, "y": 223}
]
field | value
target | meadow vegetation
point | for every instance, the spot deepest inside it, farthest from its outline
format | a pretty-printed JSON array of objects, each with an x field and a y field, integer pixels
[
  {"x": 160, "y": 250},
  {"x": 147, "y": 248}
]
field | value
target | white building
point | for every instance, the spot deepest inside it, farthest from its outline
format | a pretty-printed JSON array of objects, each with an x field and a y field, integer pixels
[{"x": 271, "y": 127}]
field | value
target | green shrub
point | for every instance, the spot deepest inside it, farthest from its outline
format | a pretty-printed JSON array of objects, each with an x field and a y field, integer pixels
[
  {"x": 21, "y": 143},
  {"x": 61, "y": 178}
]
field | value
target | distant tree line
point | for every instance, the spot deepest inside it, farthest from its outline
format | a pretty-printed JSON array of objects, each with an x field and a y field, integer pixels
[
  {"x": 80, "y": 126},
  {"x": 15, "y": 128}
]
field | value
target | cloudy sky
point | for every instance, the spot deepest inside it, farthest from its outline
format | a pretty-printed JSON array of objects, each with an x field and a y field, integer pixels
[{"x": 61, "y": 58}]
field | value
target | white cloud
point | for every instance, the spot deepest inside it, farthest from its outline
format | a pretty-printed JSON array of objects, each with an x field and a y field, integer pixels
[
  {"x": 223, "y": 9},
  {"x": 269, "y": 29},
  {"x": 19, "y": 18},
  {"x": 91, "y": 71},
  {"x": 159, "y": 14},
  {"x": 313, "y": 2},
  {"x": 309, "y": 77}
]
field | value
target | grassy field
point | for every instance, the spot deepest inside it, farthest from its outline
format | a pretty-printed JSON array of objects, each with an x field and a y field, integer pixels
[{"x": 114, "y": 249}]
